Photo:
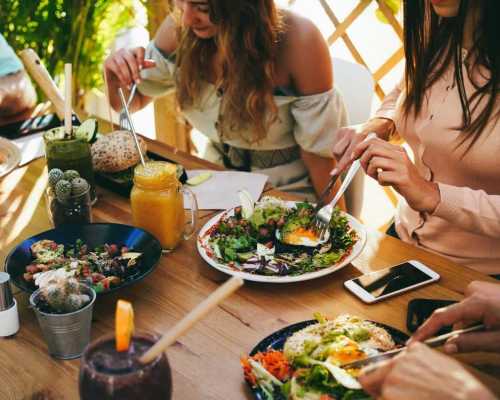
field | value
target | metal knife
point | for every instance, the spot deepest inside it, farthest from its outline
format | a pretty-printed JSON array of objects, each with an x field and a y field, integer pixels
[{"x": 432, "y": 342}]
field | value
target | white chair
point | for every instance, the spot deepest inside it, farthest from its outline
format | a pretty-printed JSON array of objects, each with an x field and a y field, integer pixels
[{"x": 356, "y": 84}]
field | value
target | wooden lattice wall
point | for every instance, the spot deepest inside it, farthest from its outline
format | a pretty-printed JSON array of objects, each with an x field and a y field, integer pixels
[{"x": 340, "y": 32}]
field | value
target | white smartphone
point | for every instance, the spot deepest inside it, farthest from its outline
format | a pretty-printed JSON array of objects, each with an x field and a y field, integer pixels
[{"x": 391, "y": 281}]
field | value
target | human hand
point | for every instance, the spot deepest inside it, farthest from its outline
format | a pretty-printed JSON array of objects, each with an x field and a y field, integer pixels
[
  {"x": 123, "y": 66},
  {"x": 348, "y": 137},
  {"x": 422, "y": 373},
  {"x": 390, "y": 165},
  {"x": 481, "y": 304}
]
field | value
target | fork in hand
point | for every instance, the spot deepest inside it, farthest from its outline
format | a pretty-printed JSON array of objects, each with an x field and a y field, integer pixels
[
  {"x": 324, "y": 214},
  {"x": 123, "y": 114}
]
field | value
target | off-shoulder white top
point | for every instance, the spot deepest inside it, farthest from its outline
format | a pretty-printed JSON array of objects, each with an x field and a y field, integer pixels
[{"x": 305, "y": 121}]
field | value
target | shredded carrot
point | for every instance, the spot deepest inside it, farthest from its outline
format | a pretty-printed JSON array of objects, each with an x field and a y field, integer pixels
[
  {"x": 273, "y": 361},
  {"x": 326, "y": 397}
]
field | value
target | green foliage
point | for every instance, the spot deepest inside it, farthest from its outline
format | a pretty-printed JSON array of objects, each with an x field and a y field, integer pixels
[
  {"x": 394, "y": 6},
  {"x": 60, "y": 31}
]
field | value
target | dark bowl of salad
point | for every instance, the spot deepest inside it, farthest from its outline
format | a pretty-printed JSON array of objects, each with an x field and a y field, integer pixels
[{"x": 105, "y": 256}]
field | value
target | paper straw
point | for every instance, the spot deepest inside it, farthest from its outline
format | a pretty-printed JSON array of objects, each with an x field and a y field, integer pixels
[
  {"x": 190, "y": 319},
  {"x": 68, "y": 110}
]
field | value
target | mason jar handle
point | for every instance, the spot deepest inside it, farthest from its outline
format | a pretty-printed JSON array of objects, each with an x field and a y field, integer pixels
[{"x": 190, "y": 228}]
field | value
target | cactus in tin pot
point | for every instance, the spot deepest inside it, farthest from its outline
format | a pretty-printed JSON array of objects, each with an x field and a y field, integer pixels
[
  {"x": 63, "y": 307},
  {"x": 63, "y": 295},
  {"x": 68, "y": 198}
]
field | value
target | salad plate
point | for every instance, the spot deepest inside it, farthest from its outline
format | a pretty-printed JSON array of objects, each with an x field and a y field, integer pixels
[
  {"x": 234, "y": 244},
  {"x": 135, "y": 255},
  {"x": 286, "y": 352}
]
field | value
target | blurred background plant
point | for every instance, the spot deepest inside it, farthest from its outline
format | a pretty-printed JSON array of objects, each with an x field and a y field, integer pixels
[
  {"x": 394, "y": 6},
  {"x": 60, "y": 31}
]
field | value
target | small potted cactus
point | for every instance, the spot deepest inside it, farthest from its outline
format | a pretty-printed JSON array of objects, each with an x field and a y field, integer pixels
[
  {"x": 68, "y": 198},
  {"x": 63, "y": 307}
]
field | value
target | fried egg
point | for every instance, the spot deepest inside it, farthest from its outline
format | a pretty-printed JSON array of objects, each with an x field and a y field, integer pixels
[{"x": 302, "y": 237}]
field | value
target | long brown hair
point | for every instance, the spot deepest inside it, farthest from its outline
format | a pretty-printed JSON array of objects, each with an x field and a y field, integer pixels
[
  {"x": 432, "y": 43},
  {"x": 247, "y": 38}
]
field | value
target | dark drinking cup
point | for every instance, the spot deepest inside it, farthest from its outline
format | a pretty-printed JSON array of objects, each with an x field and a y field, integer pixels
[{"x": 106, "y": 374}]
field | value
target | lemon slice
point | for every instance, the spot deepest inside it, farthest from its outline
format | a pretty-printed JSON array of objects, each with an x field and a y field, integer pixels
[
  {"x": 124, "y": 325},
  {"x": 247, "y": 203},
  {"x": 198, "y": 179}
]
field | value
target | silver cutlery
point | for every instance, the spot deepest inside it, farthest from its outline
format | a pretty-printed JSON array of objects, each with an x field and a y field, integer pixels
[
  {"x": 323, "y": 215},
  {"x": 132, "y": 129},
  {"x": 123, "y": 121},
  {"x": 432, "y": 342}
]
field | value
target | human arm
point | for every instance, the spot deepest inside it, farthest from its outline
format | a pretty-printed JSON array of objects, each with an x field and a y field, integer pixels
[
  {"x": 472, "y": 210},
  {"x": 480, "y": 305},
  {"x": 319, "y": 168},
  {"x": 420, "y": 373},
  {"x": 312, "y": 80},
  {"x": 128, "y": 66},
  {"x": 390, "y": 165},
  {"x": 348, "y": 137},
  {"x": 16, "y": 94}
]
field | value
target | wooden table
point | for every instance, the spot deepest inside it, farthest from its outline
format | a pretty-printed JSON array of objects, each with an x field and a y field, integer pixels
[{"x": 206, "y": 360}]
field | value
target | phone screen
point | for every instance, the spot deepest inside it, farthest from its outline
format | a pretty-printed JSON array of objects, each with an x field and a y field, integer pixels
[{"x": 392, "y": 279}]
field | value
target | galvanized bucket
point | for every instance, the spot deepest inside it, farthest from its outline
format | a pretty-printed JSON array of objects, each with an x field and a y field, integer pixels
[{"x": 66, "y": 334}]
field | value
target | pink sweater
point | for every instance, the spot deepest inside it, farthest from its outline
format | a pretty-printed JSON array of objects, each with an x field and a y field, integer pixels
[{"x": 465, "y": 226}]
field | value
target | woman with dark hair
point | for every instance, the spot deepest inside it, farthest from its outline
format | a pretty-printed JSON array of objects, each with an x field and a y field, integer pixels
[
  {"x": 254, "y": 79},
  {"x": 447, "y": 109}
]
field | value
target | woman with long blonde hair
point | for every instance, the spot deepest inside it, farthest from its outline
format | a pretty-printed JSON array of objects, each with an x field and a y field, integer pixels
[{"x": 256, "y": 80}]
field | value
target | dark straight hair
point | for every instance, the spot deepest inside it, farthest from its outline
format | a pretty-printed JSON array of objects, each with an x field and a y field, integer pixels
[{"x": 432, "y": 43}]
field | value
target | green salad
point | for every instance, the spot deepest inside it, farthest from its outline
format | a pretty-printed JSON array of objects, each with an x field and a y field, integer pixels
[
  {"x": 251, "y": 244},
  {"x": 309, "y": 365}
]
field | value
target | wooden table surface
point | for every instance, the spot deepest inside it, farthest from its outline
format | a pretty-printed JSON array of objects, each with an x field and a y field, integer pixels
[{"x": 205, "y": 361}]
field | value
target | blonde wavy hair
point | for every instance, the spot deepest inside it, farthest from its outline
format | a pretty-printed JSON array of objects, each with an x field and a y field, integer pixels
[{"x": 248, "y": 32}]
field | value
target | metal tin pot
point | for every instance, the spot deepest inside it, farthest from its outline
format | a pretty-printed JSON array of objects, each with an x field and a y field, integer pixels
[{"x": 66, "y": 334}]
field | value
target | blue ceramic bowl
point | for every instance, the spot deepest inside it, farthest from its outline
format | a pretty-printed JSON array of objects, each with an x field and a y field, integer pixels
[{"x": 93, "y": 235}]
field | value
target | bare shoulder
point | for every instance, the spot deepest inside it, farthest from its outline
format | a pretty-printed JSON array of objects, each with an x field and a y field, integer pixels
[
  {"x": 166, "y": 35},
  {"x": 306, "y": 55}
]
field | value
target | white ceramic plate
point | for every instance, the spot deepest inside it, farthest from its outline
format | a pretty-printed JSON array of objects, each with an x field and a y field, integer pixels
[
  {"x": 202, "y": 243},
  {"x": 10, "y": 156}
]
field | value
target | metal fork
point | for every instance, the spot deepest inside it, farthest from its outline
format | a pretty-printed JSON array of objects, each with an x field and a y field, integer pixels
[
  {"x": 324, "y": 214},
  {"x": 124, "y": 124}
]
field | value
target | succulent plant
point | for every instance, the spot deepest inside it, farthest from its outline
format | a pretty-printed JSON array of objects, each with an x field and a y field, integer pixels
[
  {"x": 55, "y": 175},
  {"x": 64, "y": 295},
  {"x": 63, "y": 190},
  {"x": 79, "y": 186},
  {"x": 71, "y": 174}
]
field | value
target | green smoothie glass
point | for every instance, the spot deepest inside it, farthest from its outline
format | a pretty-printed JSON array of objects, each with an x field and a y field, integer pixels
[{"x": 70, "y": 153}]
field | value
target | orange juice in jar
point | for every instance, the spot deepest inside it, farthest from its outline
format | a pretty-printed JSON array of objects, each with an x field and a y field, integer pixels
[{"x": 158, "y": 203}]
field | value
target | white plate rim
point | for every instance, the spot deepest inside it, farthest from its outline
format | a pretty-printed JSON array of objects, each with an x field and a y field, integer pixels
[
  {"x": 355, "y": 252},
  {"x": 13, "y": 156}
]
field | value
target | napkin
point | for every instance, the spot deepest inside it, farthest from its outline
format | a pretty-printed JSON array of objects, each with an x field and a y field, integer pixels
[
  {"x": 220, "y": 191},
  {"x": 31, "y": 147}
]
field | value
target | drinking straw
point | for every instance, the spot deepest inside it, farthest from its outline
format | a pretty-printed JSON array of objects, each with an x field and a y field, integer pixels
[
  {"x": 134, "y": 134},
  {"x": 68, "y": 112},
  {"x": 191, "y": 318}
]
